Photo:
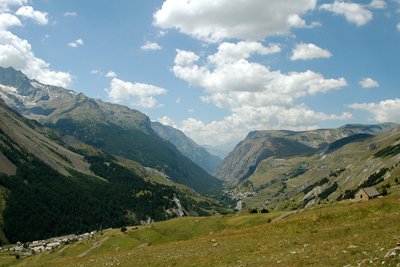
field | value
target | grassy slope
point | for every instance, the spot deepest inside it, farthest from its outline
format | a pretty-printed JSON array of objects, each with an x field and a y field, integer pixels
[{"x": 334, "y": 235}]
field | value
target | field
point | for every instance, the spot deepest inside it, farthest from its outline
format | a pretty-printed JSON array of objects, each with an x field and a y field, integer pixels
[{"x": 347, "y": 233}]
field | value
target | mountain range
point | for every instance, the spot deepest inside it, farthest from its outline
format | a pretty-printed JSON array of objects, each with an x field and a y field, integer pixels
[
  {"x": 260, "y": 145},
  {"x": 113, "y": 128},
  {"x": 49, "y": 187},
  {"x": 367, "y": 155}
]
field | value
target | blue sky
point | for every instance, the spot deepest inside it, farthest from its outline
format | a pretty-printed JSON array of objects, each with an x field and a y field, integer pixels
[{"x": 216, "y": 69}]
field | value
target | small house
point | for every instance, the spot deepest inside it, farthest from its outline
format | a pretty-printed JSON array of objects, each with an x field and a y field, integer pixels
[{"x": 365, "y": 194}]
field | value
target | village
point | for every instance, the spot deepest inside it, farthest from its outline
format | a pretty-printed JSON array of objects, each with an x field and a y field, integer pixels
[{"x": 32, "y": 248}]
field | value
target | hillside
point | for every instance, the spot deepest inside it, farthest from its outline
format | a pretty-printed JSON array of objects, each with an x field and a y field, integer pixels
[
  {"x": 112, "y": 128},
  {"x": 187, "y": 147},
  {"x": 298, "y": 181},
  {"x": 49, "y": 188},
  {"x": 344, "y": 234},
  {"x": 260, "y": 145}
]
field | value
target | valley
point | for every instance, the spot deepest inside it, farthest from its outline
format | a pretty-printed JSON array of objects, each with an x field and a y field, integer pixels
[{"x": 145, "y": 192}]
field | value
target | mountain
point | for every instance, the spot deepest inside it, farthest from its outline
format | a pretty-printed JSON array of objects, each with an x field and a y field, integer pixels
[
  {"x": 187, "y": 147},
  {"x": 50, "y": 188},
  {"x": 336, "y": 173},
  {"x": 220, "y": 150},
  {"x": 260, "y": 145},
  {"x": 113, "y": 128}
]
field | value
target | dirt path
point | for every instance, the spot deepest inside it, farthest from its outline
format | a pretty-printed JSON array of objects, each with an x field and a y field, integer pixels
[
  {"x": 95, "y": 246},
  {"x": 285, "y": 216}
]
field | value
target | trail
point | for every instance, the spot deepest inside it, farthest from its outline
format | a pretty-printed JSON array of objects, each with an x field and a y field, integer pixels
[
  {"x": 285, "y": 216},
  {"x": 95, "y": 246}
]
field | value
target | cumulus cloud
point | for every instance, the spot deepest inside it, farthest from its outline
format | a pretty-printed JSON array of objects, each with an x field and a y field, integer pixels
[
  {"x": 37, "y": 16},
  {"x": 76, "y": 43},
  {"x": 353, "y": 12},
  {"x": 384, "y": 111},
  {"x": 111, "y": 74},
  {"x": 368, "y": 83},
  {"x": 150, "y": 46},
  {"x": 134, "y": 94},
  {"x": 377, "y": 4},
  {"x": 230, "y": 80},
  {"x": 6, "y": 4},
  {"x": 398, "y": 26},
  {"x": 214, "y": 21},
  {"x": 8, "y": 20},
  {"x": 256, "y": 96},
  {"x": 167, "y": 121},
  {"x": 309, "y": 51},
  {"x": 245, "y": 119},
  {"x": 17, "y": 53}
]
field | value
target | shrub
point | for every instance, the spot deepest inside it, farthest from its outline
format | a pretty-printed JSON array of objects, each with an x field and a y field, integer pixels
[
  {"x": 17, "y": 256},
  {"x": 253, "y": 210},
  {"x": 264, "y": 210},
  {"x": 123, "y": 229}
]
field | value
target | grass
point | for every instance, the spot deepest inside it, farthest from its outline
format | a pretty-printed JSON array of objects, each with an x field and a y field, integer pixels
[{"x": 325, "y": 235}]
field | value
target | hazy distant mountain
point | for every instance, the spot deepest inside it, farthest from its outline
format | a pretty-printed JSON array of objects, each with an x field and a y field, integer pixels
[
  {"x": 187, "y": 147},
  {"x": 219, "y": 150},
  {"x": 113, "y": 128},
  {"x": 260, "y": 145}
]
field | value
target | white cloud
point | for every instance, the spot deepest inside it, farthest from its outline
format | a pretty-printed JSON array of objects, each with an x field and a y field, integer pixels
[
  {"x": 136, "y": 94},
  {"x": 8, "y": 20},
  {"x": 94, "y": 72},
  {"x": 398, "y": 26},
  {"x": 377, "y": 4},
  {"x": 384, "y": 111},
  {"x": 232, "y": 52},
  {"x": 353, "y": 12},
  {"x": 256, "y": 96},
  {"x": 368, "y": 83},
  {"x": 111, "y": 74},
  {"x": 76, "y": 43},
  {"x": 297, "y": 22},
  {"x": 214, "y": 21},
  {"x": 167, "y": 121},
  {"x": 231, "y": 80},
  {"x": 150, "y": 46},
  {"x": 17, "y": 53},
  {"x": 245, "y": 119},
  {"x": 37, "y": 16},
  {"x": 309, "y": 51},
  {"x": 6, "y": 4},
  {"x": 70, "y": 14}
]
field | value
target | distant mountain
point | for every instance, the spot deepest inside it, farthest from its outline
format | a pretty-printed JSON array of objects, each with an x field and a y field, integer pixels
[
  {"x": 49, "y": 188},
  {"x": 337, "y": 173},
  {"x": 112, "y": 128},
  {"x": 260, "y": 145},
  {"x": 187, "y": 147},
  {"x": 219, "y": 150}
]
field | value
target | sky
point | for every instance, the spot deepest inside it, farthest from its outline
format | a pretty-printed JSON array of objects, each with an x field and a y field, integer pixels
[{"x": 216, "y": 69}]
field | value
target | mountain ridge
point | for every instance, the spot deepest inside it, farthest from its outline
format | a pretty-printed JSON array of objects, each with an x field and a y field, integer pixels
[
  {"x": 113, "y": 128},
  {"x": 259, "y": 145},
  {"x": 187, "y": 146}
]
